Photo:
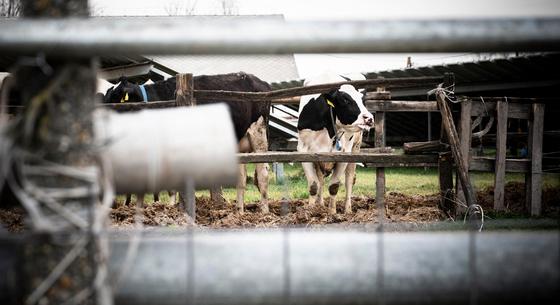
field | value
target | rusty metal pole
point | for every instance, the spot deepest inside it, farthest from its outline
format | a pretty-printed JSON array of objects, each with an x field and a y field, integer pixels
[{"x": 66, "y": 259}]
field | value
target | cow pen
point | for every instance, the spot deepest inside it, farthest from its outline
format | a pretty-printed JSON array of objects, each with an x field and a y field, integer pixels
[
  {"x": 379, "y": 102},
  {"x": 86, "y": 263}
]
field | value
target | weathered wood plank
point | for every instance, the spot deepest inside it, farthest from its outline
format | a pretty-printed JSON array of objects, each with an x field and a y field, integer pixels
[
  {"x": 488, "y": 108},
  {"x": 400, "y": 106},
  {"x": 185, "y": 87},
  {"x": 388, "y": 160},
  {"x": 298, "y": 91},
  {"x": 464, "y": 145},
  {"x": 424, "y": 147},
  {"x": 501, "y": 149},
  {"x": 451, "y": 132},
  {"x": 445, "y": 173},
  {"x": 380, "y": 171},
  {"x": 379, "y": 129},
  {"x": 534, "y": 177},
  {"x": 488, "y": 164},
  {"x": 482, "y": 164},
  {"x": 123, "y": 107}
]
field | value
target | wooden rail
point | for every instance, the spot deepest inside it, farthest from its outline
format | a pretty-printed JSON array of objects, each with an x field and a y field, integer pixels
[{"x": 282, "y": 96}]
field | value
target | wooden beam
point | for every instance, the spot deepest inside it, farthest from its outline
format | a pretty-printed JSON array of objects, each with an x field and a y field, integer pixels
[
  {"x": 501, "y": 149},
  {"x": 464, "y": 145},
  {"x": 424, "y": 147},
  {"x": 380, "y": 171},
  {"x": 185, "y": 87},
  {"x": 533, "y": 180},
  {"x": 376, "y": 159},
  {"x": 315, "y": 89},
  {"x": 123, "y": 107},
  {"x": 488, "y": 164},
  {"x": 451, "y": 131},
  {"x": 488, "y": 108},
  {"x": 400, "y": 106},
  {"x": 445, "y": 174}
]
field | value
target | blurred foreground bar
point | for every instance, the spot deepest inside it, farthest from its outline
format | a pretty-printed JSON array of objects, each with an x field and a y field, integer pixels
[
  {"x": 328, "y": 267},
  {"x": 96, "y": 36}
]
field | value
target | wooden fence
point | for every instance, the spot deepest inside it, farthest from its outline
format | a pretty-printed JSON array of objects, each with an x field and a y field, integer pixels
[{"x": 379, "y": 102}]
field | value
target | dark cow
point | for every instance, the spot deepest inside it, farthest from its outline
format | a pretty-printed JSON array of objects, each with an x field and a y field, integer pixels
[
  {"x": 249, "y": 119},
  {"x": 331, "y": 122}
]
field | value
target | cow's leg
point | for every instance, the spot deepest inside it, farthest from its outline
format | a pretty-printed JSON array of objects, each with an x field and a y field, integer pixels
[
  {"x": 258, "y": 140},
  {"x": 156, "y": 197},
  {"x": 261, "y": 181},
  {"x": 172, "y": 197},
  {"x": 350, "y": 177},
  {"x": 140, "y": 200},
  {"x": 334, "y": 185},
  {"x": 349, "y": 181},
  {"x": 321, "y": 179},
  {"x": 241, "y": 186},
  {"x": 312, "y": 181},
  {"x": 128, "y": 199}
]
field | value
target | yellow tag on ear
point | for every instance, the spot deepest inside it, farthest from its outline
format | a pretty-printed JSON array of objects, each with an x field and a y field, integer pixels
[
  {"x": 330, "y": 103},
  {"x": 125, "y": 98}
]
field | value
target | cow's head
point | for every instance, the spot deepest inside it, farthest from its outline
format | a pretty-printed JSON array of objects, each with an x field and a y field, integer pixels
[
  {"x": 124, "y": 91},
  {"x": 349, "y": 108}
]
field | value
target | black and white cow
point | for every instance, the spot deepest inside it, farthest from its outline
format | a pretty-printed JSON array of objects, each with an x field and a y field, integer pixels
[
  {"x": 249, "y": 119},
  {"x": 331, "y": 122}
]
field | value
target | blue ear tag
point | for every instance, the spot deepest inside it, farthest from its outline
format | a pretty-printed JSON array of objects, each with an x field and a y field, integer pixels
[{"x": 337, "y": 145}]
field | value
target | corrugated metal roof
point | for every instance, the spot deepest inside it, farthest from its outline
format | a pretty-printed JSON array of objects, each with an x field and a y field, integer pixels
[{"x": 512, "y": 74}]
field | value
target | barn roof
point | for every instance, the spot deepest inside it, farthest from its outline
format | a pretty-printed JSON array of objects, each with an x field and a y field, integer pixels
[{"x": 530, "y": 76}]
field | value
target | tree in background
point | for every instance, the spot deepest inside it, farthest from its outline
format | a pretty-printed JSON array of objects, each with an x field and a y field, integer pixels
[
  {"x": 10, "y": 8},
  {"x": 229, "y": 7},
  {"x": 181, "y": 8}
]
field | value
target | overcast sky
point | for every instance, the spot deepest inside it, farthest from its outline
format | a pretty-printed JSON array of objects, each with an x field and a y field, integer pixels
[{"x": 343, "y": 10}]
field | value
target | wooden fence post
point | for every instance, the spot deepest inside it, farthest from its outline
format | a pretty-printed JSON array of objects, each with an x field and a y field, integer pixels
[
  {"x": 64, "y": 257},
  {"x": 185, "y": 90},
  {"x": 380, "y": 142},
  {"x": 464, "y": 146},
  {"x": 445, "y": 173},
  {"x": 184, "y": 96},
  {"x": 533, "y": 179},
  {"x": 451, "y": 131},
  {"x": 501, "y": 149}
]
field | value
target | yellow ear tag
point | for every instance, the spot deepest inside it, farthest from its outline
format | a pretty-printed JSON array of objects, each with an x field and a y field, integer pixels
[
  {"x": 330, "y": 103},
  {"x": 125, "y": 98}
]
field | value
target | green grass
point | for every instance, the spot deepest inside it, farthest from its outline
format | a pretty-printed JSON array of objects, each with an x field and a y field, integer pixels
[{"x": 409, "y": 181}]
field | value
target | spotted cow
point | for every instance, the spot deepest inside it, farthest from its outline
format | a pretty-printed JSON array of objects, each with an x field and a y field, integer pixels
[
  {"x": 331, "y": 122},
  {"x": 249, "y": 119}
]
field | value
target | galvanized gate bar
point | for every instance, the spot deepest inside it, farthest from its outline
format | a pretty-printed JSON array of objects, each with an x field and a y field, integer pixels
[
  {"x": 329, "y": 267},
  {"x": 98, "y": 36}
]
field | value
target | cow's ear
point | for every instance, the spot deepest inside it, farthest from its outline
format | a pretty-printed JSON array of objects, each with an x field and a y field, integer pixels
[{"x": 107, "y": 97}]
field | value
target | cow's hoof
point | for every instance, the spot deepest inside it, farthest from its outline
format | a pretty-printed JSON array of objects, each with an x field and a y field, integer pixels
[
  {"x": 332, "y": 211},
  {"x": 264, "y": 209},
  {"x": 347, "y": 210}
]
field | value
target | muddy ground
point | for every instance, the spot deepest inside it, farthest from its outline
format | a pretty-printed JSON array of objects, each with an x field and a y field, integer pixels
[{"x": 400, "y": 208}]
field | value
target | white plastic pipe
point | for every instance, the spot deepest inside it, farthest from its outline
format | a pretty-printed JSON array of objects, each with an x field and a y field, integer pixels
[{"x": 154, "y": 150}]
